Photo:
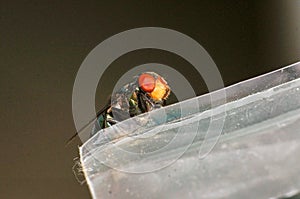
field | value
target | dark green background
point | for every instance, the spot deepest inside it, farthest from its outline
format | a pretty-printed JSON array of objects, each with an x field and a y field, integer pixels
[{"x": 43, "y": 43}]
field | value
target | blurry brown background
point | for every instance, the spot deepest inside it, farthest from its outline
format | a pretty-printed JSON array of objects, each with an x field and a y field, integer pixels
[{"x": 43, "y": 43}]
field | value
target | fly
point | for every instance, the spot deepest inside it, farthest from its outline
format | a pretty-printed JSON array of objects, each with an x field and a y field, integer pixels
[{"x": 147, "y": 91}]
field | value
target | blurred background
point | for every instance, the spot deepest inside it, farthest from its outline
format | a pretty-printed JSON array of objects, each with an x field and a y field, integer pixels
[{"x": 43, "y": 43}]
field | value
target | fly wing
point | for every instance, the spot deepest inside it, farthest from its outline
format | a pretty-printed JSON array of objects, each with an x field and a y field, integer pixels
[
  {"x": 119, "y": 114},
  {"x": 121, "y": 101},
  {"x": 118, "y": 108},
  {"x": 94, "y": 121}
]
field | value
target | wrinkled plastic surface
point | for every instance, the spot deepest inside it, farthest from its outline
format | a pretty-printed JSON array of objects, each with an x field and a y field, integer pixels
[{"x": 255, "y": 155}]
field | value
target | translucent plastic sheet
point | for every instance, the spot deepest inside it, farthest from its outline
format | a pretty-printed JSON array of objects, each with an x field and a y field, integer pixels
[{"x": 242, "y": 145}]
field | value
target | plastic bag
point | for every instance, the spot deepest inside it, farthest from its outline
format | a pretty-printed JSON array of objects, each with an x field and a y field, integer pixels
[{"x": 243, "y": 145}]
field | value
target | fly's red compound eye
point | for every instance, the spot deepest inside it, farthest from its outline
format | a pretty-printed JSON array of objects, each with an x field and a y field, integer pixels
[{"x": 147, "y": 82}]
